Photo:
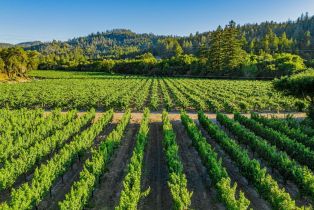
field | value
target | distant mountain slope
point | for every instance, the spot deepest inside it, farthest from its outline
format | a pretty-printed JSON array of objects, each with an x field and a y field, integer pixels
[
  {"x": 114, "y": 42},
  {"x": 22, "y": 44},
  {"x": 5, "y": 45},
  {"x": 29, "y": 44},
  {"x": 125, "y": 43}
]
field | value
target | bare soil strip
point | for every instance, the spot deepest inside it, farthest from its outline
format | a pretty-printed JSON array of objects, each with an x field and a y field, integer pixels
[
  {"x": 256, "y": 201},
  {"x": 204, "y": 196},
  {"x": 156, "y": 116},
  {"x": 155, "y": 172},
  {"x": 175, "y": 115},
  {"x": 107, "y": 193}
]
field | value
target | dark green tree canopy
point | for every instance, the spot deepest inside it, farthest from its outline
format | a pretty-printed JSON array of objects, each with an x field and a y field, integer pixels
[
  {"x": 15, "y": 61},
  {"x": 300, "y": 85}
]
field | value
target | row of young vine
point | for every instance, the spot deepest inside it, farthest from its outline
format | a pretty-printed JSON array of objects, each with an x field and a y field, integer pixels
[
  {"x": 154, "y": 99},
  {"x": 12, "y": 146},
  {"x": 28, "y": 158},
  {"x": 294, "y": 149},
  {"x": 132, "y": 192},
  {"x": 29, "y": 195},
  {"x": 82, "y": 190},
  {"x": 283, "y": 127},
  {"x": 277, "y": 159},
  {"x": 218, "y": 174},
  {"x": 177, "y": 182},
  {"x": 14, "y": 123},
  {"x": 166, "y": 96},
  {"x": 267, "y": 187}
]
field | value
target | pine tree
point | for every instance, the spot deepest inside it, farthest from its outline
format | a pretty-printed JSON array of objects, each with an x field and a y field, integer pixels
[
  {"x": 203, "y": 51},
  {"x": 273, "y": 41},
  {"x": 252, "y": 46},
  {"x": 187, "y": 47},
  {"x": 265, "y": 44},
  {"x": 216, "y": 52},
  {"x": 307, "y": 39},
  {"x": 284, "y": 43},
  {"x": 232, "y": 47},
  {"x": 244, "y": 43},
  {"x": 177, "y": 49}
]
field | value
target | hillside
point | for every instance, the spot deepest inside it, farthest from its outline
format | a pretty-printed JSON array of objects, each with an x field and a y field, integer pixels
[
  {"x": 5, "y": 45},
  {"x": 125, "y": 43},
  {"x": 22, "y": 44},
  {"x": 116, "y": 42}
]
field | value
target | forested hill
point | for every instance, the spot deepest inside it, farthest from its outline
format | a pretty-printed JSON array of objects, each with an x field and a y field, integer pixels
[
  {"x": 113, "y": 43},
  {"x": 291, "y": 36},
  {"x": 5, "y": 45},
  {"x": 293, "y": 29},
  {"x": 116, "y": 42},
  {"x": 22, "y": 44}
]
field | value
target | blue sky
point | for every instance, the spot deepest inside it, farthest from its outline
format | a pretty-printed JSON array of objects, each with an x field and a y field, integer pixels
[{"x": 45, "y": 20}]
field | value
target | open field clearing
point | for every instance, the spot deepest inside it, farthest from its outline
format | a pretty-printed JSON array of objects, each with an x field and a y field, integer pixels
[{"x": 133, "y": 160}]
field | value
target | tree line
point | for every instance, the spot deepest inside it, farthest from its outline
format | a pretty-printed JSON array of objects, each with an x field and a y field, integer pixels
[
  {"x": 291, "y": 37},
  {"x": 268, "y": 49},
  {"x": 224, "y": 55}
]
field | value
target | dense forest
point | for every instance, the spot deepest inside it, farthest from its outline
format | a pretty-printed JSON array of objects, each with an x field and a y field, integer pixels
[{"x": 267, "y": 49}]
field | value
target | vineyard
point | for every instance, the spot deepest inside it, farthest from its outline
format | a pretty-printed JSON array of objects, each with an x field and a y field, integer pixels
[
  {"x": 112, "y": 105},
  {"x": 78, "y": 140},
  {"x": 83, "y": 91},
  {"x": 127, "y": 160}
]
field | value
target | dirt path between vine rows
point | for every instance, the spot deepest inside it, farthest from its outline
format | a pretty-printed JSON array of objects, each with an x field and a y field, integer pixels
[
  {"x": 107, "y": 193},
  {"x": 175, "y": 115},
  {"x": 155, "y": 172},
  {"x": 250, "y": 193},
  {"x": 198, "y": 180},
  {"x": 63, "y": 184},
  {"x": 289, "y": 185}
]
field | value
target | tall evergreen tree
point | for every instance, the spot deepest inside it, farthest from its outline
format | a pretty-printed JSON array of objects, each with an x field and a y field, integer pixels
[
  {"x": 203, "y": 51},
  {"x": 187, "y": 47},
  {"x": 252, "y": 45},
  {"x": 284, "y": 43},
  {"x": 265, "y": 44},
  {"x": 216, "y": 51},
  {"x": 232, "y": 47},
  {"x": 307, "y": 39}
]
